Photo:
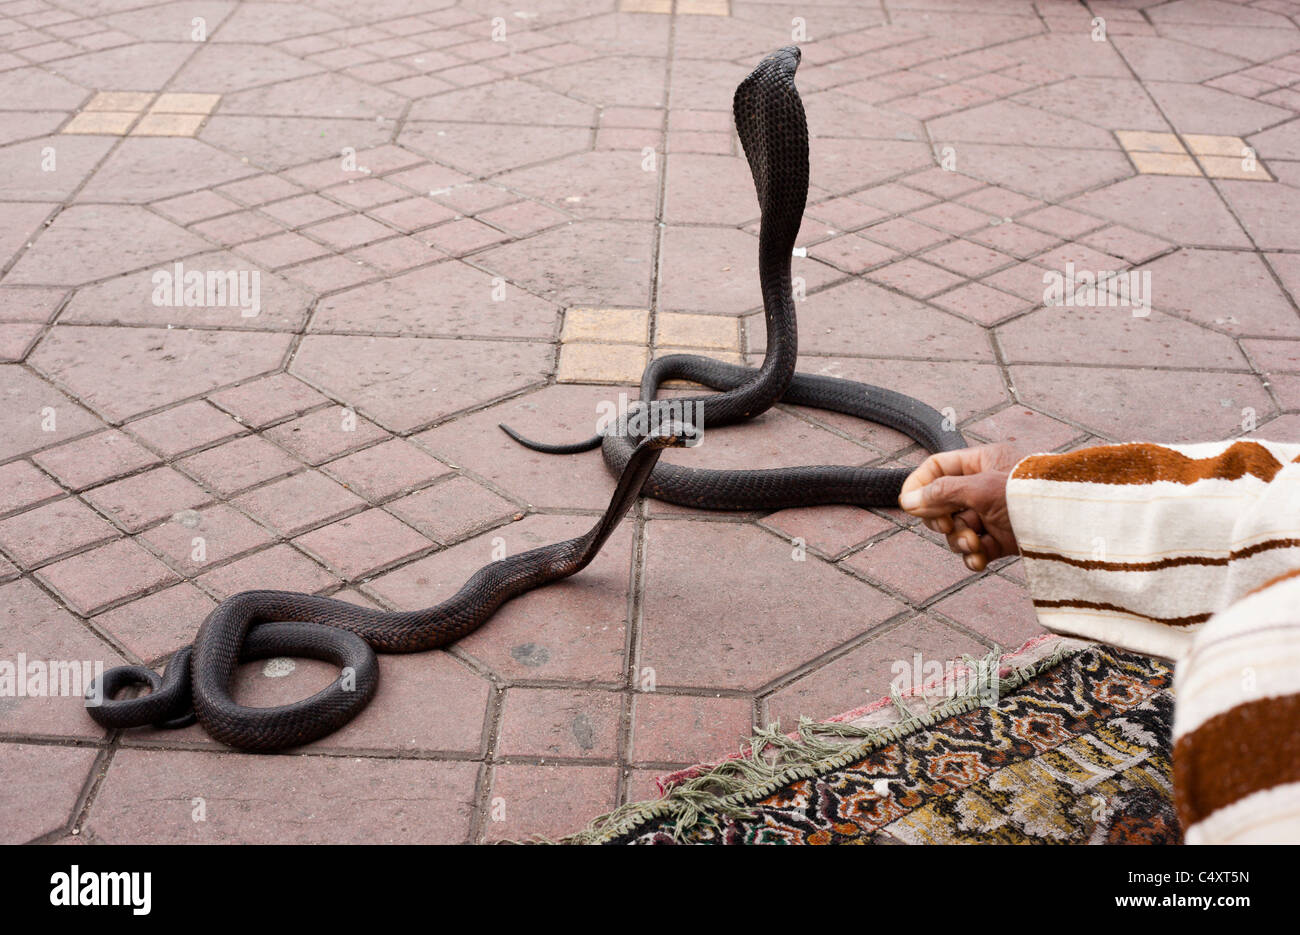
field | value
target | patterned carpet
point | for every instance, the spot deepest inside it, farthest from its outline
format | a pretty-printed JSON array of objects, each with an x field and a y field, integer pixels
[{"x": 1076, "y": 749}]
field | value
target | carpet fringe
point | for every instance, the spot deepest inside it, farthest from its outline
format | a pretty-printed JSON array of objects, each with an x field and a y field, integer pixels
[{"x": 774, "y": 759}]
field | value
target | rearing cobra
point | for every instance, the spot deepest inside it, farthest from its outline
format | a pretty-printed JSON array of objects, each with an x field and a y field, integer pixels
[
  {"x": 774, "y": 132},
  {"x": 198, "y": 680}
]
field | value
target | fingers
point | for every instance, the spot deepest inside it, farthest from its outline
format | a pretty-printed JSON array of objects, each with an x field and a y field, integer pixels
[
  {"x": 944, "y": 463},
  {"x": 963, "y": 540},
  {"x": 940, "y": 524},
  {"x": 944, "y": 495}
]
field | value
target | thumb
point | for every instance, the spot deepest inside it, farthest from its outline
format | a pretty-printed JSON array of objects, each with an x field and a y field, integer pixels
[{"x": 941, "y": 497}]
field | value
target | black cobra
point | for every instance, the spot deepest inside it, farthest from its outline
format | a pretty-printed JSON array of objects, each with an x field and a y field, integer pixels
[
  {"x": 771, "y": 124},
  {"x": 198, "y": 680}
]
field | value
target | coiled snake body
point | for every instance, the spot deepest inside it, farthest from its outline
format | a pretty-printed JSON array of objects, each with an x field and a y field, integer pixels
[
  {"x": 771, "y": 124},
  {"x": 198, "y": 680}
]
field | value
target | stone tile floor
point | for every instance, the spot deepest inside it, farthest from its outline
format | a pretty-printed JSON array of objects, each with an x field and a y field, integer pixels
[{"x": 466, "y": 212}]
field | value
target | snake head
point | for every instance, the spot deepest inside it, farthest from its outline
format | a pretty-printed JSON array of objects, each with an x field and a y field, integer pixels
[
  {"x": 671, "y": 435},
  {"x": 772, "y": 127}
]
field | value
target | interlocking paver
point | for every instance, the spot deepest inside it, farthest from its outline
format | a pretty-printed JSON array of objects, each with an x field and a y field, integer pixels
[
  {"x": 53, "y": 530},
  {"x": 94, "y": 459},
  {"x": 158, "y": 624},
  {"x": 409, "y": 800},
  {"x": 92, "y": 580},
  {"x": 192, "y": 540},
  {"x": 560, "y": 206},
  {"x": 362, "y": 544},
  {"x": 280, "y": 567},
  {"x": 866, "y": 672},
  {"x": 297, "y": 503},
  {"x": 41, "y": 787},
  {"x": 141, "y": 499},
  {"x": 22, "y": 485}
]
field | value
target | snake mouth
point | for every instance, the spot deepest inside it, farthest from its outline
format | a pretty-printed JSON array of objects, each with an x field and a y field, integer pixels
[{"x": 673, "y": 435}]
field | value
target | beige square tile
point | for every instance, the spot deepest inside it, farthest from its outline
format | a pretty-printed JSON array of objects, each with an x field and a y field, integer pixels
[
  {"x": 176, "y": 103},
  {"x": 703, "y": 8},
  {"x": 1215, "y": 145},
  {"x": 1164, "y": 164},
  {"x": 1233, "y": 167},
  {"x": 601, "y": 363},
  {"x": 101, "y": 122},
  {"x": 679, "y": 330},
  {"x": 120, "y": 101},
  {"x": 152, "y": 124},
  {"x": 1140, "y": 141},
  {"x": 645, "y": 6},
  {"x": 624, "y": 325}
]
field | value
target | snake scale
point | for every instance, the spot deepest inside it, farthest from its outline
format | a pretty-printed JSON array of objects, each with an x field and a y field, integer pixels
[{"x": 198, "y": 680}]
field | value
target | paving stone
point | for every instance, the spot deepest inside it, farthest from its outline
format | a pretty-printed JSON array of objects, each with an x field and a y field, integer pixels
[
  {"x": 427, "y": 385},
  {"x": 406, "y": 801},
  {"x": 50, "y": 531},
  {"x": 159, "y": 624},
  {"x": 192, "y": 540},
  {"x": 1274, "y": 356},
  {"x": 715, "y": 271},
  {"x": 742, "y": 649},
  {"x": 386, "y": 469},
  {"x": 185, "y": 427},
  {"x": 600, "y": 363},
  {"x": 1030, "y": 431},
  {"x": 865, "y": 674},
  {"x": 1232, "y": 291},
  {"x": 587, "y": 263},
  {"x": 829, "y": 529},
  {"x": 1267, "y": 212},
  {"x": 915, "y": 277},
  {"x": 90, "y": 242},
  {"x": 92, "y": 580},
  {"x": 1117, "y": 337},
  {"x": 29, "y": 304},
  {"x": 691, "y": 727},
  {"x": 362, "y": 544},
  {"x": 606, "y": 324},
  {"x": 261, "y": 402},
  {"x": 705, "y": 331},
  {"x": 297, "y": 503},
  {"x": 851, "y": 319},
  {"x": 450, "y": 510},
  {"x": 280, "y": 568},
  {"x": 22, "y": 485},
  {"x": 1142, "y": 405},
  {"x": 1187, "y": 211},
  {"x": 471, "y": 304},
  {"x": 141, "y": 499},
  {"x": 996, "y": 609},
  {"x": 554, "y": 723},
  {"x": 41, "y": 787},
  {"x": 547, "y": 800},
  {"x": 325, "y": 434},
  {"x": 239, "y": 464},
  {"x": 152, "y": 367},
  {"x": 94, "y": 459},
  {"x": 573, "y": 630}
]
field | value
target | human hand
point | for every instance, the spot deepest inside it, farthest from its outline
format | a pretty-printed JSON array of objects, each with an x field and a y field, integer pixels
[{"x": 963, "y": 495}]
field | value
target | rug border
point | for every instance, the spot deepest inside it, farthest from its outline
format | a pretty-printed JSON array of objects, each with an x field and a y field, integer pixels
[{"x": 804, "y": 755}]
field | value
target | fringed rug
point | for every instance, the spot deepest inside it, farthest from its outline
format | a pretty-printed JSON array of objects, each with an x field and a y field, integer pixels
[{"x": 1060, "y": 742}]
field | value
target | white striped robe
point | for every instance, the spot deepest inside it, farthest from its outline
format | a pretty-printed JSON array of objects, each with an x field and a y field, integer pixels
[{"x": 1191, "y": 552}]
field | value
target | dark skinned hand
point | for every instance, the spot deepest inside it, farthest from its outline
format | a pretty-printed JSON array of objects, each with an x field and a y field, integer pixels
[{"x": 963, "y": 495}]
